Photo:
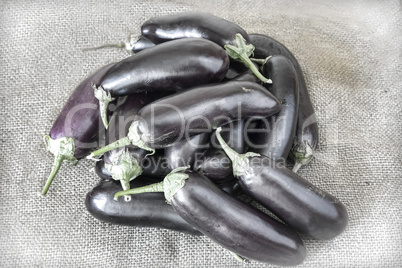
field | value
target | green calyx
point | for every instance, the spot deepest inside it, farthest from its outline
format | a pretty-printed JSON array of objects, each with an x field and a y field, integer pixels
[
  {"x": 172, "y": 183},
  {"x": 63, "y": 149},
  {"x": 124, "y": 168},
  {"x": 240, "y": 162},
  {"x": 302, "y": 154},
  {"x": 242, "y": 52},
  {"x": 104, "y": 98},
  {"x": 136, "y": 139}
]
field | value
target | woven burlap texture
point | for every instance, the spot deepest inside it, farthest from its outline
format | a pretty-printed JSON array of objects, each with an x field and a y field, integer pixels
[{"x": 350, "y": 53}]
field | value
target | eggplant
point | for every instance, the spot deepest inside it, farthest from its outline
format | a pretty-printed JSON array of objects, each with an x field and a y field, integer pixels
[
  {"x": 279, "y": 130},
  {"x": 164, "y": 122},
  {"x": 298, "y": 203},
  {"x": 186, "y": 151},
  {"x": 215, "y": 164},
  {"x": 124, "y": 163},
  {"x": 75, "y": 132},
  {"x": 306, "y": 137},
  {"x": 192, "y": 24},
  {"x": 227, "y": 34},
  {"x": 175, "y": 65},
  {"x": 147, "y": 210},
  {"x": 236, "y": 226}
]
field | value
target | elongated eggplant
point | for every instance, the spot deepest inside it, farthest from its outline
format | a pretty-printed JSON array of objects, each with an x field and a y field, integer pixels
[
  {"x": 298, "y": 203},
  {"x": 279, "y": 130},
  {"x": 124, "y": 163},
  {"x": 166, "y": 121},
  {"x": 192, "y": 24},
  {"x": 75, "y": 132},
  {"x": 215, "y": 164},
  {"x": 147, "y": 210},
  {"x": 175, "y": 65},
  {"x": 227, "y": 34},
  {"x": 306, "y": 138},
  {"x": 237, "y": 226},
  {"x": 186, "y": 151}
]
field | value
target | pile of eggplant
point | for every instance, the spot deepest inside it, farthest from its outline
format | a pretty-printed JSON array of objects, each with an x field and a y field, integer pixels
[{"x": 200, "y": 124}]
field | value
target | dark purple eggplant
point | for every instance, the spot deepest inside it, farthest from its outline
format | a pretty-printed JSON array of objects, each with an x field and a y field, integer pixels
[
  {"x": 215, "y": 164},
  {"x": 279, "y": 130},
  {"x": 75, "y": 132},
  {"x": 167, "y": 121},
  {"x": 175, "y": 65},
  {"x": 294, "y": 200},
  {"x": 227, "y": 34},
  {"x": 237, "y": 226},
  {"x": 147, "y": 210},
  {"x": 306, "y": 139},
  {"x": 191, "y": 24},
  {"x": 124, "y": 163},
  {"x": 186, "y": 151}
]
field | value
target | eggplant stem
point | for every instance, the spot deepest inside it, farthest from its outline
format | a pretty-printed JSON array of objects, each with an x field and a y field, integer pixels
[
  {"x": 242, "y": 52},
  {"x": 229, "y": 151},
  {"x": 63, "y": 150},
  {"x": 260, "y": 61},
  {"x": 104, "y": 98},
  {"x": 240, "y": 162},
  {"x": 238, "y": 257},
  {"x": 125, "y": 184},
  {"x": 58, "y": 160},
  {"x": 128, "y": 46},
  {"x": 118, "y": 45},
  {"x": 249, "y": 64},
  {"x": 297, "y": 166},
  {"x": 152, "y": 188},
  {"x": 117, "y": 144}
]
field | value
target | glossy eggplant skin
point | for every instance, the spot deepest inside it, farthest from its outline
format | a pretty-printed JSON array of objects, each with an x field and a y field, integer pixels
[
  {"x": 279, "y": 130},
  {"x": 298, "y": 203},
  {"x": 188, "y": 24},
  {"x": 190, "y": 62},
  {"x": 80, "y": 118},
  {"x": 203, "y": 108},
  {"x": 235, "y": 225},
  {"x": 215, "y": 164},
  {"x": 186, "y": 151},
  {"x": 145, "y": 210},
  {"x": 307, "y": 127}
]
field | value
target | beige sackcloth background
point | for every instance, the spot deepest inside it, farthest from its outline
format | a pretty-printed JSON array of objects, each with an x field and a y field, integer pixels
[{"x": 350, "y": 53}]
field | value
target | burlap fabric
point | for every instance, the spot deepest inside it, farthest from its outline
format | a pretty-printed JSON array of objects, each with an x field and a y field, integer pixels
[{"x": 350, "y": 52}]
